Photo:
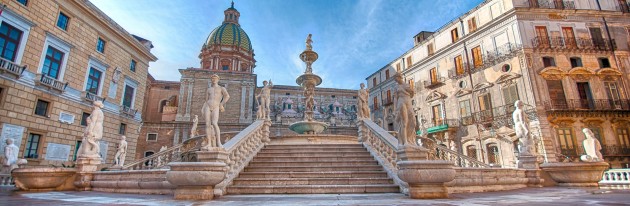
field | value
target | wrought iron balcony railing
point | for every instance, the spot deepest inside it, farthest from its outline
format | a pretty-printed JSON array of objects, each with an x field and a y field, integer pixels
[
  {"x": 439, "y": 81},
  {"x": 51, "y": 83},
  {"x": 128, "y": 111},
  {"x": 92, "y": 97},
  {"x": 551, "y": 4},
  {"x": 463, "y": 72},
  {"x": 10, "y": 67},
  {"x": 588, "y": 104},
  {"x": 498, "y": 116},
  {"x": 585, "y": 44},
  {"x": 501, "y": 54}
]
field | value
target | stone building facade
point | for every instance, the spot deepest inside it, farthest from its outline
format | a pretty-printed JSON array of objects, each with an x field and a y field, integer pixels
[
  {"x": 566, "y": 60},
  {"x": 57, "y": 57},
  {"x": 228, "y": 53}
]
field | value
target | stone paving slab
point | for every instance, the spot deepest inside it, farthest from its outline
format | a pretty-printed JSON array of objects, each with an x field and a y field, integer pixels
[{"x": 527, "y": 196}]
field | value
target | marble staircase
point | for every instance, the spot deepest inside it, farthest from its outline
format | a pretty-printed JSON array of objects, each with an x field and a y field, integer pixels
[{"x": 312, "y": 169}]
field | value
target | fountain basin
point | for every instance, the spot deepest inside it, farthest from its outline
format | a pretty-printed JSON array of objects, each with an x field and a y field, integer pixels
[
  {"x": 576, "y": 174},
  {"x": 44, "y": 178},
  {"x": 308, "y": 127},
  {"x": 307, "y": 80}
]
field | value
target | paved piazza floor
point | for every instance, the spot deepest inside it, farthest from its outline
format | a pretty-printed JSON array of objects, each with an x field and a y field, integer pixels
[{"x": 528, "y": 196}]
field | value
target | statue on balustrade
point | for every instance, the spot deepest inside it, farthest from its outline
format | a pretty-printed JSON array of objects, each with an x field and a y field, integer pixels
[
  {"x": 265, "y": 99},
  {"x": 121, "y": 152},
  {"x": 364, "y": 108},
  {"x": 159, "y": 158},
  {"x": 521, "y": 123},
  {"x": 93, "y": 133},
  {"x": 404, "y": 114},
  {"x": 193, "y": 129},
  {"x": 216, "y": 97},
  {"x": 592, "y": 147}
]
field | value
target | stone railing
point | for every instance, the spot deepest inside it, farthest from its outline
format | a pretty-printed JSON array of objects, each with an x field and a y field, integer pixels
[
  {"x": 92, "y": 97},
  {"x": 11, "y": 68},
  {"x": 459, "y": 160},
  {"x": 6, "y": 180},
  {"x": 382, "y": 146},
  {"x": 51, "y": 83},
  {"x": 241, "y": 150},
  {"x": 616, "y": 176},
  {"x": 159, "y": 159},
  {"x": 128, "y": 111}
]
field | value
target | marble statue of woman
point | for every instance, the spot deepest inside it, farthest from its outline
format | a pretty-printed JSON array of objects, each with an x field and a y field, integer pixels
[
  {"x": 193, "y": 129},
  {"x": 10, "y": 158},
  {"x": 404, "y": 115},
  {"x": 364, "y": 110},
  {"x": 121, "y": 152},
  {"x": 216, "y": 97},
  {"x": 93, "y": 133},
  {"x": 521, "y": 129},
  {"x": 592, "y": 147}
]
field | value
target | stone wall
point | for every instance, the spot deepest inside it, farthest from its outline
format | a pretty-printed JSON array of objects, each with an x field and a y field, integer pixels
[
  {"x": 132, "y": 181},
  {"x": 469, "y": 180}
]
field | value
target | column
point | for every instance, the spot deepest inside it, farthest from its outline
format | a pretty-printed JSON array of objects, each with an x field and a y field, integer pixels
[
  {"x": 180, "y": 101},
  {"x": 191, "y": 82}
]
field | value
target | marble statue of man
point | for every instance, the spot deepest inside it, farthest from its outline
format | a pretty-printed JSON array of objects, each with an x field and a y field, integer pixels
[
  {"x": 121, "y": 152},
  {"x": 93, "y": 133},
  {"x": 10, "y": 155},
  {"x": 404, "y": 114},
  {"x": 159, "y": 158},
  {"x": 364, "y": 110},
  {"x": 265, "y": 99},
  {"x": 216, "y": 97},
  {"x": 521, "y": 124},
  {"x": 193, "y": 129},
  {"x": 309, "y": 42},
  {"x": 592, "y": 147}
]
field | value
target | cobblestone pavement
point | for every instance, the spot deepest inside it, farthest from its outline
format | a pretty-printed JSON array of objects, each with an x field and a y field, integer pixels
[{"x": 528, "y": 196}]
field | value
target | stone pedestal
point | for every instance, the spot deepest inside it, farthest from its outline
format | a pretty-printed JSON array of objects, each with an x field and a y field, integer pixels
[
  {"x": 576, "y": 174},
  {"x": 196, "y": 180},
  {"x": 531, "y": 164},
  {"x": 85, "y": 167},
  {"x": 426, "y": 178},
  {"x": 528, "y": 162}
]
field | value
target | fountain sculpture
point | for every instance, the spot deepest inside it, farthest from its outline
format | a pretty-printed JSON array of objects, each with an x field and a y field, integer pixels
[{"x": 308, "y": 81}]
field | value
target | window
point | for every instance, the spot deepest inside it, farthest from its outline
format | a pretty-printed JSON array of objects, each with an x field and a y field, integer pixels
[
  {"x": 84, "y": 117},
  {"x": 93, "y": 81},
  {"x": 375, "y": 100},
  {"x": 510, "y": 95},
  {"x": 430, "y": 49},
  {"x": 287, "y": 94},
  {"x": 41, "y": 108},
  {"x": 569, "y": 37},
  {"x": 332, "y": 96},
  {"x": 387, "y": 73},
  {"x": 9, "y": 41},
  {"x": 459, "y": 65},
  {"x": 477, "y": 59},
  {"x": 622, "y": 135},
  {"x": 152, "y": 137},
  {"x": 62, "y": 21},
  {"x": 612, "y": 90},
  {"x": 472, "y": 24},
  {"x": 454, "y": 35},
  {"x": 225, "y": 67},
  {"x": 433, "y": 75},
  {"x": 471, "y": 151},
  {"x": 597, "y": 132},
  {"x": 128, "y": 96},
  {"x": 76, "y": 150},
  {"x": 409, "y": 61},
  {"x": 132, "y": 65},
  {"x": 493, "y": 153},
  {"x": 603, "y": 62},
  {"x": 100, "y": 45},
  {"x": 549, "y": 62},
  {"x": 52, "y": 62},
  {"x": 565, "y": 137},
  {"x": 556, "y": 93},
  {"x": 23, "y": 2},
  {"x": 162, "y": 104},
  {"x": 389, "y": 97},
  {"x": 542, "y": 37},
  {"x": 398, "y": 67},
  {"x": 464, "y": 108},
  {"x": 32, "y": 145},
  {"x": 411, "y": 84},
  {"x": 374, "y": 82},
  {"x": 148, "y": 153},
  {"x": 122, "y": 129},
  {"x": 437, "y": 115},
  {"x": 576, "y": 62}
]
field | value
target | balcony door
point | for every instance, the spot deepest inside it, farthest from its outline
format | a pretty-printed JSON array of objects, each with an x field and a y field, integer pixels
[
  {"x": 569, "y": 37},
  {"x": 596, "y": 35},
  {"x": 556, "y": 94},
  {"x": 437, "y": 115},
  {"x": 434, "y": 76},
  {"x": 485, "y": 107},
  {"x": 542, "y": 36},
  {"x": 586, "y": 98}
]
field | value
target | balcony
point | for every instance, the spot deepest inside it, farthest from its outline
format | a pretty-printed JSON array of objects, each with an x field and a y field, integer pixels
[
  {"x": 10, "y": 67},
  {"x": 498, "y": 116},
  {"x": 87, "y": 96},
  {"x": 623, "y": 7},
  {"x": 435, "y": 82},
  {"x": 501, "y": 54},
  {"x": 440, "y": 125},
  {"x": 51, "y": 83},
  {"x": 128, "y": 111},
  {"x": 453, "y": 74},
  {"x": 588, "y": 105},
  {"x": 551, "y": 4},
  {"x": 576, "y": 44}
]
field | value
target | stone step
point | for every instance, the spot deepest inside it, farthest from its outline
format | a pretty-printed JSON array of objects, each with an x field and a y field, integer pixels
[
  {"x": 313, "y": 163},
  {"x": 292, "y": 146},
  {"x": 312, "y": 181},
  {"x": 311, "y": 169},
  {"x": 264, "y": 153},
  {"x": 300, "y": 150},
  {"x": 313, "y": 158},
  {"x": 311, "y": 189},
  {"x": 329, "y": 174}
]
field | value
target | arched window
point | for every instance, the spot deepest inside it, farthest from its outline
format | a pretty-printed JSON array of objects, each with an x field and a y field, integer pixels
[
  {"x": 471, "y": 151},
  {"x": 493, "y": 153},
  {"x": 162, "y": 104},
  {"x": 225, "y": 64}
]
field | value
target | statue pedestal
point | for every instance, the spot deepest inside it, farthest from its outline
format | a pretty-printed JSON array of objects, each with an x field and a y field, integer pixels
[
  {"x": 576, "y": 174},
  {"x": 426, "y": 178},
  {"x": 196, "y": 180},
  {"x": 531, "y": 164},
  {"x": 85, "y": 167}
]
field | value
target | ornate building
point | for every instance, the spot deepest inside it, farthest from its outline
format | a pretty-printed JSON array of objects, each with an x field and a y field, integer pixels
[
  {"x": 228, "y": 52},
  {"x": 567, "y": 60}
]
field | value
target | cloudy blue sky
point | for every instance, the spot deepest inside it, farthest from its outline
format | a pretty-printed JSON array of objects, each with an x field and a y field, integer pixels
[{"x": 354, "y": 38}]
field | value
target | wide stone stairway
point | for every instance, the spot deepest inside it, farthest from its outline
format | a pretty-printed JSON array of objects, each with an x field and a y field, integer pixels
[{"x": 312, "y": 169}]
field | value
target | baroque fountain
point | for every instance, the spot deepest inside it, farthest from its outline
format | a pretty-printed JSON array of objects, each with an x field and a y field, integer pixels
[{"x": 308, "y": 81}]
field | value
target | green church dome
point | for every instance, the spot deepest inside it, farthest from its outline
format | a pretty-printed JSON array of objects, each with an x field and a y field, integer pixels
[{"x": 229, "y": 34}]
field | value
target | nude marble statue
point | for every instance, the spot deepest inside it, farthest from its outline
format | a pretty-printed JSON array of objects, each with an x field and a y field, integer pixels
[
  {"x": 592, "y": 147},
  {"x": 404, "y": 114},
  {"x": 93, "y": 133},
  {"x": 121, "y": 152},
  {"x": 216, "y": 97},
  {"x": 364, "y": 110},
  {"x": 521, "y": 123},
  {"x": 265, "y": 99}
]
